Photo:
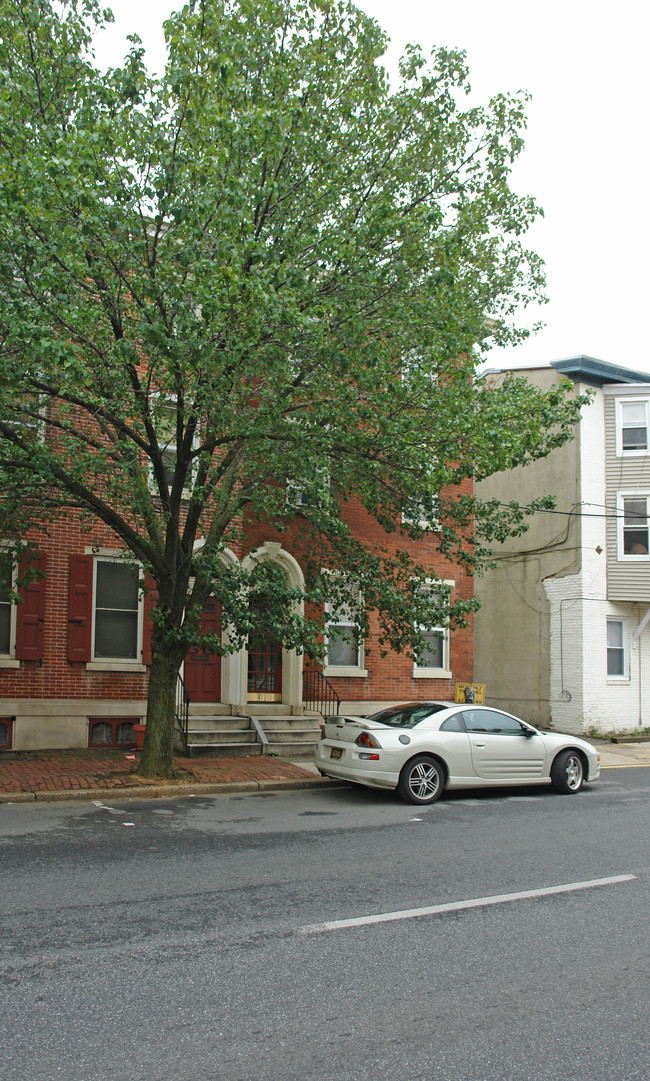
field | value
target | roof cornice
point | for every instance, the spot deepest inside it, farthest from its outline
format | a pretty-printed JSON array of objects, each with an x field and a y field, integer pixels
[{"x": 597, "y": 372}]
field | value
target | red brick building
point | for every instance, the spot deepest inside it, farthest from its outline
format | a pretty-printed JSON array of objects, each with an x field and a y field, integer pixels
[{"x": 74, "y": 652}]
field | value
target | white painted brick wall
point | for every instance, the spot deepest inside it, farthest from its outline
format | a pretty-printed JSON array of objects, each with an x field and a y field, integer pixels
[{"x": 583, "y": 699}]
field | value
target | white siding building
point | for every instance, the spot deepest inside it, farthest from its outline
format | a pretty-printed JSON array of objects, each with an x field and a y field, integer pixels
[{"x": 563, "y": 635}]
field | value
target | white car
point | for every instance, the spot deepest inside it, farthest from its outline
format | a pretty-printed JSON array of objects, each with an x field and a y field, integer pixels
[{"x": 421, "y": 748}]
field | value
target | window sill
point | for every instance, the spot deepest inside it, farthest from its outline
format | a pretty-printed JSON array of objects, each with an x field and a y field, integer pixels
[
  {"x": 356, "y": 673},
  {"x": 431, "y": 673},
  {"x": 115, "y": 666},
  {"x": 9, "y": 662}
]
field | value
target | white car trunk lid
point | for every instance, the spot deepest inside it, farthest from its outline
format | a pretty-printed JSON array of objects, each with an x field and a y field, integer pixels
[{"x": 346, "y": 729}]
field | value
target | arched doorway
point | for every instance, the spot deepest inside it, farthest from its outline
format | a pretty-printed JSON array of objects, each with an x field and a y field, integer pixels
[
  {"x": 269, "y": 665},
  {"x": 208, "y": 677}
]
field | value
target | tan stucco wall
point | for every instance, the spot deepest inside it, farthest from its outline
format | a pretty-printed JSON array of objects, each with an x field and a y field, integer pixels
[{"x": 511, "y": 630}]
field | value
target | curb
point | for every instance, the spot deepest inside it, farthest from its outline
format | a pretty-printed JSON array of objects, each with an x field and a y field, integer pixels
[{"x": 161, "y": 791}]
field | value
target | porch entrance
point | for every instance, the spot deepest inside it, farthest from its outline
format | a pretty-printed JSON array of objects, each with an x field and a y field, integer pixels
[
  {"x": 265, "y": 671},
  {"x": 202, "y": 671}
]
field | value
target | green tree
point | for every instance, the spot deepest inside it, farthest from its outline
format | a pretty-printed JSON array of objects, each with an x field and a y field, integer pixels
[{"x": 265, "y": 268}]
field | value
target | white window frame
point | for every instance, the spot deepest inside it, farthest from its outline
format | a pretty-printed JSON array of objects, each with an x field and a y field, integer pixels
[
  {"x": 423, "y": 672},
  {"x": 33, "y": 424},
  {"x": 8, "y": 660},
  {"x": 432, "y": 525},
  {"x": 631, "y": 452},
  {"x": 342, "y": 618},
  {"x": 624, "y": 675},
  {"x": 117, "y": 663},
  {"x": 296, "y": 494},
  {"x": 632, "y": 557},
  {"x": 171, "y": 447}
]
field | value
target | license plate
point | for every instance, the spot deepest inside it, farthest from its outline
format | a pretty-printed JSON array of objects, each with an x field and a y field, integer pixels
[{"x": 336, "y": 752}]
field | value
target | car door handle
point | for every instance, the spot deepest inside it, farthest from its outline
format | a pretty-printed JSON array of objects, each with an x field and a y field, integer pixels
[{"x": 478, "y": 744}]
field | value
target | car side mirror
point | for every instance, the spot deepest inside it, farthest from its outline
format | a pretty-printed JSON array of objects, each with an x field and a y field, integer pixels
[{"x": 528, "y": 732}]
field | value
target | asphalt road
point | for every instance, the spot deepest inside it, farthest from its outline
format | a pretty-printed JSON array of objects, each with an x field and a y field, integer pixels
[{"x": 202, "y": 939}]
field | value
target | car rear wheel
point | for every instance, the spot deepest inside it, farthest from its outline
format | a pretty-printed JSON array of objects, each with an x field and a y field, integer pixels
[
  {"x": 568, "y": 772},
  {"x": 421, "y": 780}
]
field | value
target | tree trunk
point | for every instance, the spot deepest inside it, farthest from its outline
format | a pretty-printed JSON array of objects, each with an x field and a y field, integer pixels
[{"x": 157, "y": 758}]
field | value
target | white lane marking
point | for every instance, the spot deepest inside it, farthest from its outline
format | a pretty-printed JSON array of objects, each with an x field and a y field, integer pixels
[{"x": 456, "y": 906}]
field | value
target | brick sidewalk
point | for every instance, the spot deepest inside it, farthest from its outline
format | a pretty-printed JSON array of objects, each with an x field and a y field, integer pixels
[
  {"x": 24, "y": 773},
  {"x": 78, "y": 770}
]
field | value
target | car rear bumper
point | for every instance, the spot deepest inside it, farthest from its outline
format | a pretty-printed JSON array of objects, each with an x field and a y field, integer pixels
[{"x": 353, "y": 768}]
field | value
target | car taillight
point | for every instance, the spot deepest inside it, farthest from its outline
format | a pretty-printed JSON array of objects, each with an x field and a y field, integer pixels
[{"x": 366, "y": 740}]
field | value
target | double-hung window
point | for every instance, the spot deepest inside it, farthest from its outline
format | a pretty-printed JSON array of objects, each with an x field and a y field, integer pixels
[
  {"x": 422, "y": 514},
  {"x": 343, "y": 641},
  {"x": 117, "y": 611},
  {"x": 164, "y": 412},
  {"x": 7, "y": 609},
  {"x": 107, "y": 606},
  {"x": 633, "y": 528},
  {"x": 305, "y": 493},
  {"x": 432, "y": 658},
  {"x": 22, "y": 608},
  {"x": 27, "y": 417},
  {"x": 632, "y": 426},
  {"x": 616, "y": 654}
]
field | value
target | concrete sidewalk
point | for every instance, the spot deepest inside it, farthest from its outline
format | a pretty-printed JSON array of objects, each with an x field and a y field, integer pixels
[
  {"x": 622, "y": 754},
  {"x": 92, "y": 774}
]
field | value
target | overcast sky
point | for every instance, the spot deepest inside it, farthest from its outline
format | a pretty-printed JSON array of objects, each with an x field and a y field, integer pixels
[{"x": 586, "y": 157}]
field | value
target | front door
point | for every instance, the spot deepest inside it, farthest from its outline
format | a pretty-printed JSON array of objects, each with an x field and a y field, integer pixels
[
  {"x": 202, "y": 671},
  {"x": 265, "y": 671}
]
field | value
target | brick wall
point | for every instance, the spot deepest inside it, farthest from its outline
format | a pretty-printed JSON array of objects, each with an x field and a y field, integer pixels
[{"x": 74, "y": 692}]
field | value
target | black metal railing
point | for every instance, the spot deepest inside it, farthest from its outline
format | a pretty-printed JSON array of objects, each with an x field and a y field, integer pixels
[
  {"x": 318, "y": 693},
  {"x": 182, "y": 709}
]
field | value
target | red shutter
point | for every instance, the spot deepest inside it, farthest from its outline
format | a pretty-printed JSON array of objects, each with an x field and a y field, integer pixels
[
  {"x": 80, "y": 607},
  {"x": 150, "y": 602},
  {"x": 30, "y": 614}
]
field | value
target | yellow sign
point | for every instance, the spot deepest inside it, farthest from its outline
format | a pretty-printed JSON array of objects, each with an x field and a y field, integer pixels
[{"x": 479, "y": 693}]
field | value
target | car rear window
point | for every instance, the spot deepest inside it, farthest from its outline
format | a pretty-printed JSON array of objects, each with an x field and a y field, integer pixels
[{"x": 407, "y": 716}]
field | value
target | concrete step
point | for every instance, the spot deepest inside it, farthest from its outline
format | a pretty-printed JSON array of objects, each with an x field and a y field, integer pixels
[
  {"x": 292, "y": 735},
  {"x": 219, "y": 724},
  {"x": 267, "y": 709},
  {"x": 290, "y": 750},
  {"x": 224, "y": 750},
  {"x": 276, "y": 723},
  {"x": 209, "y": 709},
  {"x": 221, "y": 735}
]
